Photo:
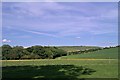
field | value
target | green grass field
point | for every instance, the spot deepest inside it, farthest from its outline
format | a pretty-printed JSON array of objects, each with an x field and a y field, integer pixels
[
  {"x": 73, "y": 67},
  {"x": 111, "y": 53},
  {"x": 60, "y": 69}
]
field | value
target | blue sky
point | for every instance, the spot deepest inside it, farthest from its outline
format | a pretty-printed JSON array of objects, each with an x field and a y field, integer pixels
[{"x": 60, "y": 23}]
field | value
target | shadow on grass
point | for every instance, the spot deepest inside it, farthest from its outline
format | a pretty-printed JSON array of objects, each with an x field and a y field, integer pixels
[{"x": 46, "y": 72}]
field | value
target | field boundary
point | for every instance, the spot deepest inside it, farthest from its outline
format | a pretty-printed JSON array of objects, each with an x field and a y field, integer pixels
[{"x": 56, "y": 59}]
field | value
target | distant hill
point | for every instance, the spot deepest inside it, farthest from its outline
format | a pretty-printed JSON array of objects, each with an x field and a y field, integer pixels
[
  {"x": 77, "y": 48},
  {"x": 111, "y": 53}
]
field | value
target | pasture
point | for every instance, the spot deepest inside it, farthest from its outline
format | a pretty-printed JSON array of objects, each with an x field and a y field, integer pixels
[
  {"x": 49, "y": 69},
  {"x": 111, "y": 53},
  {"x": 102, "y": 64}
]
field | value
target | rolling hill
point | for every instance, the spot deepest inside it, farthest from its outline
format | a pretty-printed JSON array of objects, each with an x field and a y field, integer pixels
[
  {"x": 77, "y": 48},
  {"x": 111, "y": 53}
]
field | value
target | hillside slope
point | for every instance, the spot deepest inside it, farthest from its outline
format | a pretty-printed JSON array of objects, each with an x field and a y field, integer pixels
[
  {"x": 111, "y": 53},
  {"x": 76, "y": 48}
]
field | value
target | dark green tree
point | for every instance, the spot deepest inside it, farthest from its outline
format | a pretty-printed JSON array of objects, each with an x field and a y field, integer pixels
[
  {"x": 18, "y": 50},
  {"x": 6, "y": 49}
]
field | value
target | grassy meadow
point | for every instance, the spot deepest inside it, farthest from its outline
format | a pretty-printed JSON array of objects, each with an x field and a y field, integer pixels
[
  {"x": 111, "y": 53},
  {"x": 51, "y": 68},
  {"x": 98, "y": 64}
]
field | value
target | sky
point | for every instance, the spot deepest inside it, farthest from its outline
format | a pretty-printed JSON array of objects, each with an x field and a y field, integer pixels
[{"x": 60, "y": 23}]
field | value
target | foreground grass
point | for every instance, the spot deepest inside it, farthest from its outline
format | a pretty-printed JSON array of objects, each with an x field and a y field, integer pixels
[{"x": 54, "y": 68}]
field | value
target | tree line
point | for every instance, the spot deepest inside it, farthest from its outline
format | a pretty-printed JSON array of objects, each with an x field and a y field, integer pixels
[
  {"x": 33, "y": 52},
  {"x": 91, "y": 50},
  {"x": 84, "y": 51},
  {"x": 39, "y": 52}
]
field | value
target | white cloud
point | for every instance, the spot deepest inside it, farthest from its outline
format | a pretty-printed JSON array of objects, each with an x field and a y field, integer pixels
[
  {"x": 36, "y": 8},
  {"x": 6, "y": 41},
  {"x": 41, "y": 33},
  {"x": 78, "y": 37},
  {"x": 107, "y": 44}
]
